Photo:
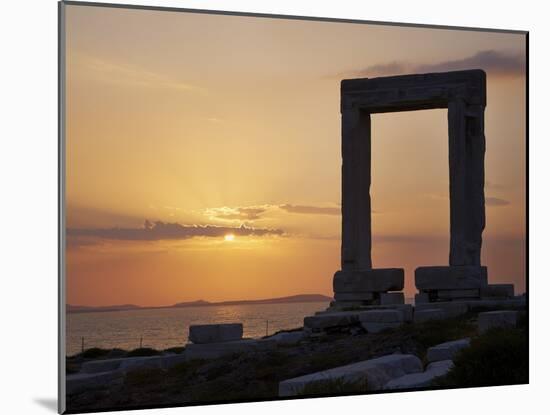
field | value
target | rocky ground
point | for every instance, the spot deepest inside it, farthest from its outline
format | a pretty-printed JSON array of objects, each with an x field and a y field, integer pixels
[{"x": 496, "y": 357}]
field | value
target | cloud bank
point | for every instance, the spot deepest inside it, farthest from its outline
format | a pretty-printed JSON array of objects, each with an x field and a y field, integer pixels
[
  {"x": 311, "y": 210},
  {"x": 493, "y": 62},
  {"x": 236, "y": 213},
  {"x": 157, "y": 231}
]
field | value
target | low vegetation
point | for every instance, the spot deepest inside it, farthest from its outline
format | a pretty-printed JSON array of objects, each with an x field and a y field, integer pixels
[
  {"x": 499, "y": 357},
  {"x": 143, "y": 351},
  {"x": 74, "y": 363}
]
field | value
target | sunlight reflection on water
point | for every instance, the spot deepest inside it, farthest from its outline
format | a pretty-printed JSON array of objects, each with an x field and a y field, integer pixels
[{"x": 169, "y": 327}]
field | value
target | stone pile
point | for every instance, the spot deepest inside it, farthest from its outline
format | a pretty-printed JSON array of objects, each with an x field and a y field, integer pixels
[
  {"x": 440, "y": 361},
  {"x": 98, "y": 373},
  {"x": 371, "y": 319},
  {"x": 422, "y": 379},
  {"x": 458, "y": 283},
  {"x": 368, "y": 287}
]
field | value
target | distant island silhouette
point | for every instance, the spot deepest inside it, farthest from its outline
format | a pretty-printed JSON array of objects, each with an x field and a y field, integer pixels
[{"x": 300, "y": 298}]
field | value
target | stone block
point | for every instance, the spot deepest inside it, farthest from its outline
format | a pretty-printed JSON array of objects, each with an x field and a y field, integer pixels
[
  {"x": 333, "y": 319},
  {"x": 288, "y": 338},
  {"x": 373, "y": 280},
  {"x": 392, "y": 298},
  {"x": 429, "y": 314},
  {"x": 492, "y": 319},
  {"x": 374, "y": 372},
  {"x": 406, "y": 311},
  {"x": 423, "y": 379},
  {"x": 381, "y": 316},
  {"x": 457, "y": 294},
  {"x": 506, "y": 303},
  {"x": 343, "y": 305},
  {"x": 172, "y": 360},
  {"x": 421, "y": 298},
  {"x": 215, "y": 333},
  {"x": 450, "y": 277},
  {"x": 447, "y": 350},
  {"x": 354, "y": 296},
  {"x": 374, "y": 327},
  {"x": 131, "y": 363},
  {"x": 81, "y": 382},
  {"x": 498, "y": 290},
  {"x": 451, "y": 308}
]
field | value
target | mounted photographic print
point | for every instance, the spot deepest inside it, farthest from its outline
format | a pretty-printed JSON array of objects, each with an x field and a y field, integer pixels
[{"x": 260, "y": 207}]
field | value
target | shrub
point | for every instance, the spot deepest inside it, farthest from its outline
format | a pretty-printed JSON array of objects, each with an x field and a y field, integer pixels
[
  {"x": 143, "y": 351},
  {"x": 94, "y": 353},
  {"x": 177, "y": 350},
  {"x": 117, "y": 353},
  {"x": 498, "y": 357},
  {"x": 144, "y": 377},
  {"x": 435, "y": 332}
]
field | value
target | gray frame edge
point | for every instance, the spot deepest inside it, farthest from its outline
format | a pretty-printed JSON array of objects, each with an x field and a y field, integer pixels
[
  {"x": 288, "y": 17},
  {"x": 61, "y": 310}
]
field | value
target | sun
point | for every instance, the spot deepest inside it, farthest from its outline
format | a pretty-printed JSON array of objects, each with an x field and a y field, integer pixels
[{"x": 229, "y": 237}]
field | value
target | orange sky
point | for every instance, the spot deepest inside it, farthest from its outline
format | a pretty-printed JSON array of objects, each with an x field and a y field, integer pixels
[{"x": 225, "y": 121}]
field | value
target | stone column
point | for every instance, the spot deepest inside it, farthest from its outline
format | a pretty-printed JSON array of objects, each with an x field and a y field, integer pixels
[
  {"x": 357, "y": 283},
  {"x": 466, "y": 179},
  {"x": 464, "y": 277},
  {"x": 356, "y": 180}
]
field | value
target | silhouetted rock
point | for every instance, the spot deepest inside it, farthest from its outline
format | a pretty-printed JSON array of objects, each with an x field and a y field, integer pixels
[
  {"x": 374, "y": 373},
  {"x": 215, "y": 333},
  {"x": 447, "y": 350}
]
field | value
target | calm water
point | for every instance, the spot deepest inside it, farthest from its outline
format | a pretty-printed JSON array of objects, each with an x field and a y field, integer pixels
[{"x": 163, "y": 328}]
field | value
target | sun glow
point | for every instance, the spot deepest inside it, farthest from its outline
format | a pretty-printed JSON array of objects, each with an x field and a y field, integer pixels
[{"x": 229, "y": 237}]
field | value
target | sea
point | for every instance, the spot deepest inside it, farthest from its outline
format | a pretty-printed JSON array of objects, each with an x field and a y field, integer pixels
[{"x": 163, "y": 328}]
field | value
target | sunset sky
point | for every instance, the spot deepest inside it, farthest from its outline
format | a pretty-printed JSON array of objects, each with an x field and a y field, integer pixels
[{"x": 185, "y": 128}]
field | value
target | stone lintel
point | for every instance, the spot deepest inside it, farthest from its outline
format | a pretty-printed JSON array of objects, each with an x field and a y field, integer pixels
[
  {"x": 373, "y": 280},
  {"x": 413, "y": 92},
  {"x": 450, "y": 277}
]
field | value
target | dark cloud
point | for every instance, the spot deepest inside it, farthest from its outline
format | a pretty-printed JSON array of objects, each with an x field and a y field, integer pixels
[
  {"x": 239, "y": 213},
  {"x": 494, "y": 186},
  {"x": 492, "y": 61},
  {"x": 156, "y": 231},
  {"x": 495, "y": 201},
  {"x": 311, "y": 210}
]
